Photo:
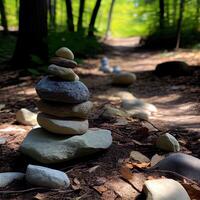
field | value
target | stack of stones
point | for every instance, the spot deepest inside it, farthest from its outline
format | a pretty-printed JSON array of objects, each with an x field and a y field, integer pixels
[{"x": 64, "y": 133}]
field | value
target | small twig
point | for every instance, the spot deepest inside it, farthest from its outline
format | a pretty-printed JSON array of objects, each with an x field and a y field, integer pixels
[{"x": 33, "y": 189}]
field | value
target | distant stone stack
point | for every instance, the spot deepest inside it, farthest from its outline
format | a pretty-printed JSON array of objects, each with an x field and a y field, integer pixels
[{"x": 64, "y": 106}]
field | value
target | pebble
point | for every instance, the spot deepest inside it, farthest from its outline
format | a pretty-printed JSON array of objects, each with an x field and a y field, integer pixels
[
  {"x": 123, "y": 78},
  {"x": 7, "y": 178},
  {"x": 62, "y": 72},
  {"x": 62, "y": 126},
  {"x": 61, "y": 91},
  {"x": 81, "y": 110},
  {"x": 64, "y": 52},
  {"x": 26, "y": 117},
  {"x": 63, "y": 62},
  {"x": 46, "y": 177},
  {"x": 168, "y": 143},
  {"x": 136, "y": 155}
]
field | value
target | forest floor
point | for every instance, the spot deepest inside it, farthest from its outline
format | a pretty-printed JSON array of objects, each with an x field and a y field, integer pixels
[{"x": 104, "y": 176}]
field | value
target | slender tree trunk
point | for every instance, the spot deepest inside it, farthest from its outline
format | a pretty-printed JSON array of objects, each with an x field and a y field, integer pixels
[
  {"x": 162, "y": 13},
  {"x": 179, "y": 26},
  {"x": 109, "y": 18},
  {"x": 32, "y": 31},
  {"x": 80, "y": 17},
  {"x": 3, "y": 17},
  {"x": 52, "y": 12},
  {"x": 93, "y": 18},
  {"x": 70, "y": 21},
  {"x": 174, "y": 11}
]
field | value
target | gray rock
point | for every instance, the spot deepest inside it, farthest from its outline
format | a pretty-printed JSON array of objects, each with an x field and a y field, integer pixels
[
  {"x": 64, "y": 52},
  {"x": 7, "y": 178},
  {"x": 51, "y": 148},
  {"x": 63, "y": 73},
  {"x": 62, "y": 126},
  {"x": 63, "y": 62},
  {"x": 51, "y": 89},
  {"x": 139, "y": 114},
  {"x": 180, "y": 163},
  {"x": 168, "y": 142},
  {"x": 131, "y": 104},
  {"x": 165, "y": 189},
  {"x": 123, "y": 78},
  {"x": 26, "y": 117},
  {"x": 3, "y": 141},
  {"x": 46, "y": 177},
  {"x": 111, "y": 112},
  {"x": 124, "y": 95},
  {"x": 81, "y": 110}
]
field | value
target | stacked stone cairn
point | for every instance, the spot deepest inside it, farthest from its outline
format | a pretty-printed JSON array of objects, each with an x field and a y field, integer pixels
[{"x": 64, "y": 108}]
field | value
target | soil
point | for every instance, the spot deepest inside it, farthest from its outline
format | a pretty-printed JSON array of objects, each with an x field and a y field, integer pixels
[{"x": 177, "y": 100}]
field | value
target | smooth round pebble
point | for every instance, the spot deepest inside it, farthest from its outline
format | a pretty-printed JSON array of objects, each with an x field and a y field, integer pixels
[
  {"x": 123, "y": 78},
  {"x": 64, "y": 52},
  {"x": 63, "y": 62}
]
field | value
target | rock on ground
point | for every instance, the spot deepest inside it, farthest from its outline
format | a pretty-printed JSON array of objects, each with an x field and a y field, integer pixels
[
  {"x": 7, "y": 178},
  {"x": 50, "y": 148},
  {"x": 46, "y": 177},
  {"x": 165, "y": 189},
  {"x": 26, "y": 117},
  {"x": 64, "y": 52},
  {"x": 168, "y": 142},
  {"x": 123, "y": 78},
  {"x": 186, "y": 165}
]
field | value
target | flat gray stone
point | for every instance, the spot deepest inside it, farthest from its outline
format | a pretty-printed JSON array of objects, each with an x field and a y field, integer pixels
[
  {"x": 168, "y": 143},
  {"x": 81, "y": 110},
  {"x": 51, "y": 89},
  {"x": 63, "y": 62},
  {"x": 46, "y": 177},
  {"x": 50, "y": 148},
  {"x": 62, "y": 126},
  {"x": 165, "y": 189},
  {"x": 7, "y": 178},
  {"x": 186, "y": 165},
  {"x": 63, "y": 73}
]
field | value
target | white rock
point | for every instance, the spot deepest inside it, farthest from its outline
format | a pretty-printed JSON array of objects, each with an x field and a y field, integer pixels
[
  {"x": 165, "y": 189},
  {"x": 168, "y": 142},
  {"x": 7, "y": 178},
  {"x": 124, "y": 95},
  {"x": 131, "y": 104},
  {"x": 46, "y": 177},
  {"x": 26, "y": 117}
]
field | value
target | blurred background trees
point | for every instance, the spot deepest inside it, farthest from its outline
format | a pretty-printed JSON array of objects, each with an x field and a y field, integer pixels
[{"x": 79, "y": 23}]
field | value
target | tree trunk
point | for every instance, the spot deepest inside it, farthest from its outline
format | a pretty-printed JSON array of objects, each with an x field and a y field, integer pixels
[
  {"x": 174, "y": 11},
  {"x": 32, "y": 31},
  {"x": 162, "y": 13},
  {"x": 80, "y": 17},
  {"x": 52, "y": 12},
  {"x": 109, "y": 18},
  {"x": 3, "y": 17},
  {"x": 179, "y": 26},
  {"x": 70, "y": 22},
  {"x": 93, "y": 18}
]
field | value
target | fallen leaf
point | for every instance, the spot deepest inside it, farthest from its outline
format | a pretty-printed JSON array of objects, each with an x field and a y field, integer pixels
[
  {"x": 77, "y": 184},
  {"x": 100, "y": 188},
  {"x": 140, "y": 165}
]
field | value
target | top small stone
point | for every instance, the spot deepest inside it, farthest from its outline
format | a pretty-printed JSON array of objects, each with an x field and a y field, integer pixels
[{"x": 64, "y": 52}]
